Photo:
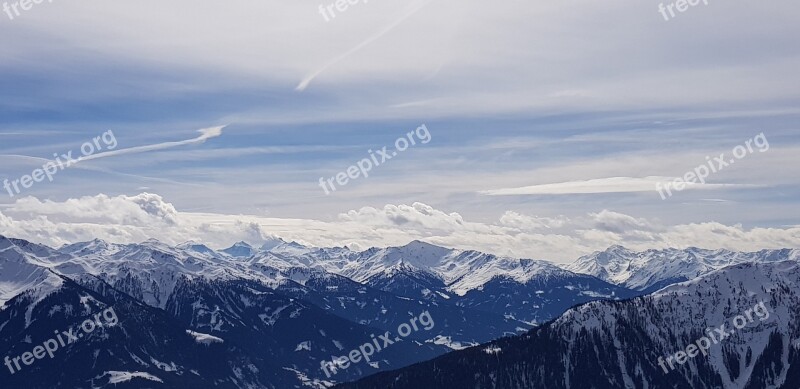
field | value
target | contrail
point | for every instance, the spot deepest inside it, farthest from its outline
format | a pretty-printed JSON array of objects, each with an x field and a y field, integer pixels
[
  {"x": 206, "y": 133},
  {"x": 307, "y": 80}
]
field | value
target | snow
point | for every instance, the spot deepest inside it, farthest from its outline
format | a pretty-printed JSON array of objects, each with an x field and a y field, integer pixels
[
  {"x": 640, "y": 270},
  {"x": 156, "y": 268},
  {"x": 116, "y": 377},
  {"x": 205, "y": 339},
  {"x": 461, "y": 270},
  {"x": 164, "y": 366},
  {"x": 271, "y": 318},
  {"x": 705, "y": 302},
  {"x": 22, "y": 270},
  {"x": 449, "y": 342},
  {"x": 240, "y": 250},
  {"x": 313, "y": 383}
]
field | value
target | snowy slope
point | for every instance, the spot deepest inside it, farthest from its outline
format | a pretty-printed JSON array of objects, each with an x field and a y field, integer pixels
[
  {"x": 150, "y": 270},
  {"x": 264, "y": 305},
  {"x": 459, "y": 270},
  {"x": 652, "y": 269},
  {"x": 474, "y": 296},
  {"x": 617, "y": 344},
  {"x": 21, "y": 270}
]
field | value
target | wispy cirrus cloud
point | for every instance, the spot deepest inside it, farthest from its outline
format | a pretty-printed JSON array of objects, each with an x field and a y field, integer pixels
[
  {"x": 205, "y": 134},
  {"x": 601, "y": 185},
  {"x": 414, "y": 8}
]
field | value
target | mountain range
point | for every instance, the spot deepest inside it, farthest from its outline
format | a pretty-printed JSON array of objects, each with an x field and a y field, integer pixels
[
  {"x": 629, "y": 344},
  {"x": 270, "y": 316},
  {"x": 651, "y": 270}
]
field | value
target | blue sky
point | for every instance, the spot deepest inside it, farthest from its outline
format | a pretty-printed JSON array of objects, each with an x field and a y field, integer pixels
[{"x": 514, "y": 95}]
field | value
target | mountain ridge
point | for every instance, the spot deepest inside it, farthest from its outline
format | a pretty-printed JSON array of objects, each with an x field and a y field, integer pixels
[
  {"x": 621, "y": 344},
  {"x": 648, "y": 270}
]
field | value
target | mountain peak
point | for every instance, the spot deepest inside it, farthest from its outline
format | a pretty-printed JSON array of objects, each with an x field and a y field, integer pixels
[
  {"x": 652, "y": 269},
  {"x": 272, "y": 243},
  {"x": 420, "y": 246},
  {"x": 155, "y": 244},
  {"x": 196, "y": 247},
  {"x": 240, "y": 249},
  {"x": 97, "y": 243},
  {"x": 616, "y": 249},
  {"x": 93, "y": 245},
  {"x": 152, "y": 242}
]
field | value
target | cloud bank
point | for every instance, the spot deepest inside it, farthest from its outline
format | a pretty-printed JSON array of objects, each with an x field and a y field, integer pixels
[{"x": 128, "y": 219}]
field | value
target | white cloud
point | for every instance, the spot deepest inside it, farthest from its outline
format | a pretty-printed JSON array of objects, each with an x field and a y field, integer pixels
[
  {"x": 600, "y": 185},
  {"x": 531, "y": 223},
  {"x": 619, "y": 223},
  {"x": 310, "y": 77},
  {"x": 442, "y": 51},
  {"x": 126, "y": 219},
  {"x": 134, "y": 210}
]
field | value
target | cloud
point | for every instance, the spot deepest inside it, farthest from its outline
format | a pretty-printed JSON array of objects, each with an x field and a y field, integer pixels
[
  {"x": 417, "y": 215},
  {"x": 618, "y": 223},
  {"x": 485, "y": 51},
  {"x": 600, "y": 185},
  {"x": 102, "y": 209},
  {"x": 310, "y": 77},
  {"x": 531, "y": 223},
  {"x": 126, "y": 219},
  {"x": 205, "y": 134}
]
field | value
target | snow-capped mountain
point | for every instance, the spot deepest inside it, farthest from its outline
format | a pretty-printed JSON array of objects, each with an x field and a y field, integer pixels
[
  {"x": 299, "y": 304},
  {"x": 240, "y": 250},
  {"x": 653, "y": 269},
  {"x": 23, "y": 269},
  {"x": 312, "y": 303},
  {"x": 529, "y": 290},
  {"x": 302, "y": 305},
  {"x": 146, "y": 347},
  {"x": 627, "y": 344},
  {"x": 519, "y": 290}
]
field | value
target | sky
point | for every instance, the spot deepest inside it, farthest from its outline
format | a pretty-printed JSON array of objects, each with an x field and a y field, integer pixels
[{"x": 535, "y": 130}]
